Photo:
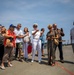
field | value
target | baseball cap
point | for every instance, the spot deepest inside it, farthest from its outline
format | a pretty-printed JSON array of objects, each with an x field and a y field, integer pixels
[
  {"x": 11, "y": 25},
  {"x": 0, "y": 24}
]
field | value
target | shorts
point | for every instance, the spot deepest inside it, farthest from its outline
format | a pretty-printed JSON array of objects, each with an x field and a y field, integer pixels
[
  {"x": 42, "y": 46},
  {"x": 19, "y": 45}
]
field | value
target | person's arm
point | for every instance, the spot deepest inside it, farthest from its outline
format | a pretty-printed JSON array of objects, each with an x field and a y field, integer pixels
[
  {"x": 62, "y": 33},
  {"x": 33, "y": 33},
  {"x": 47, "y": 37},
  {"x": 41, "y": 33},
  {"x": 70, "y": 36},
  {"x": 20, "y": 36},
  {"x": 6, "y": 35},
  {"x": 27, "y": 34}
]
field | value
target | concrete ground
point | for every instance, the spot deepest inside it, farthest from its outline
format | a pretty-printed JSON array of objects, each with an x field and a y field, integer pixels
[{"x": 24, "y": 68}]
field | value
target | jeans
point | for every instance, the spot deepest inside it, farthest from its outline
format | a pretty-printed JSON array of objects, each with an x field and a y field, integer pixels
[{"x": 60, "y": 50}]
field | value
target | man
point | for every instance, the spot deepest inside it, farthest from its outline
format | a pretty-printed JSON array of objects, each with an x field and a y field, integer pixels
[
  {"x": 72, "y": 38},
  {"x": 1, "y": 43},
  {"x": 19, "y": 36},
  {"x": 60, "y": 42},
  {"x": 36, "y": 42}
]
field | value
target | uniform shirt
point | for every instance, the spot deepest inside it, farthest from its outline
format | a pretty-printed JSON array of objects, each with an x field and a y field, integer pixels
[
  {"x": 18, "y": 32},
  {"x": 37, "y": 34},
  {"x": 72, "y": 35}
]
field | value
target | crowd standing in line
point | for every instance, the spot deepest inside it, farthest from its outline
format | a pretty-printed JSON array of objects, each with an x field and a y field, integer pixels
[{"x": 15, "y": 41}]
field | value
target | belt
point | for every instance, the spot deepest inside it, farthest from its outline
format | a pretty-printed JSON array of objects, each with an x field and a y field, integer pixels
[{"x": 36, "y": 38}]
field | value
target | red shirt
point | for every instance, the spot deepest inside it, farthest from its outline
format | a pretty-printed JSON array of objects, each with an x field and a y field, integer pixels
[{"x": 11, "y": 34}]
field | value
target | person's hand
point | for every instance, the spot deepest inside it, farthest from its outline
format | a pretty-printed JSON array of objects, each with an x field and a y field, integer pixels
[
  {"x": 24, "y": 41},
  {"x": 48, "y": 38},
  {"x": 37, "y": 30},
  {"x": 11, "y": 36}
]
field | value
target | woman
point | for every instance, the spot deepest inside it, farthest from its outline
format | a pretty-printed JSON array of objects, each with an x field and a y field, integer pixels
[
  {"x": 26, "y": 41},
  {"x": 8, "y": 48},
  {"x": 42, "y": 38},
  {"x": 3, "y": 31},
  {"x": 51, "y": 35}
]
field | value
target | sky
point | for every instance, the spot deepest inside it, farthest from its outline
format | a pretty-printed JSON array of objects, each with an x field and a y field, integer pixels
[{"x": 43, "y": 12}]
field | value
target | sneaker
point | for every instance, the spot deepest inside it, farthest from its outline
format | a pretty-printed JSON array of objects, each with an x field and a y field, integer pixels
[
  {"x": 10, "y": 65},
  {"x": 15, "y": 58},
  {"x": 39, "y": 62},
  {"x": 32, "y": 61},
  {"x": 62, "y": 61},
  {"x": 43, "y": 55},
  {"x": 53, "y": 64},
  {"x": 2, "y": 67},
  {"x": 20, "y": 60},
  {"x": 27, "y": 60}
]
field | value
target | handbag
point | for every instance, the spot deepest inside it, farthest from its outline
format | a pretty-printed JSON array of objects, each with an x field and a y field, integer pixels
[
  {"x": 56, "y": 41},
  {"x": 27, "y": 39},
  {"x": 29, "y": 49}
]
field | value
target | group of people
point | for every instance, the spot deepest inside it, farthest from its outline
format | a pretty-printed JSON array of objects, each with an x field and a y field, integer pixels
[
  {"x": 54, "y": 40},
  {"x": 14, "y": 41}
]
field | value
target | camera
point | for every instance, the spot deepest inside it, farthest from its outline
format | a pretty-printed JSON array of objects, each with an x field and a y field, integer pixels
[{"x": 11, "y": 39}]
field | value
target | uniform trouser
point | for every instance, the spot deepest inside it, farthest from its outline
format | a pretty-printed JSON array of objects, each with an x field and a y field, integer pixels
[
  {"x": 51, "y": 55},
  {"x": 25, "y": 50},
  {"x": 1, "y": 51},
  {"x": 36, "y": 44},
  {"x": 73, "y": 47},
  {"x": 60, "y": 50},
  {"x": 8, "y": 53}
]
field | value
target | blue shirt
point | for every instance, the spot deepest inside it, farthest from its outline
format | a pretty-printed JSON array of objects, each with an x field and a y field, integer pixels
[{"x": 42, "y": 38}]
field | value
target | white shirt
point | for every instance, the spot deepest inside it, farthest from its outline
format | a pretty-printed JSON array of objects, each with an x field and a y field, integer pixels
[
  {"x": 18, "y": 32},
  {"x": 72, "y": 34},
  {"x": 37, "y": 35}
]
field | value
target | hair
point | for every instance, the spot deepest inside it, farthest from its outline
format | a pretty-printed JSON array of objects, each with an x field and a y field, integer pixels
[
  {"x": 42, "y": 29},
  {"x": 27, "y": 29},
  {"x": 49, "y": 26},
  {"x": 18, "y": 24},
  {"x": 4, "y": 30}
]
